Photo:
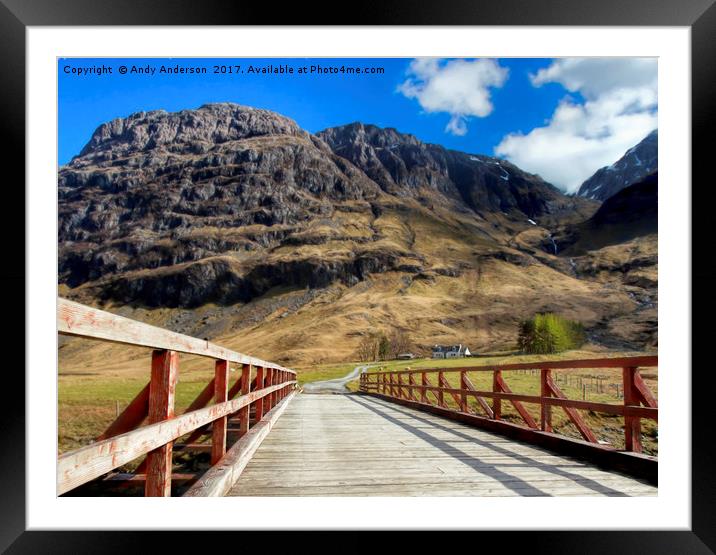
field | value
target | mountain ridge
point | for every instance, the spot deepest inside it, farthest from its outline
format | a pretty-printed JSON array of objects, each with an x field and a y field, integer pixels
[
  {"x": 232, "y": 222},
  {"x": 636, "y": 163}
]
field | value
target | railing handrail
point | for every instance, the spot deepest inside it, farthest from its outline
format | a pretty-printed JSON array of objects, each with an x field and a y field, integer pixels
[
  {"x": 126, "y": 439},
  {"x": 84, "y": 321},
  {"x": 638, "y": 401},
  {"x": 647, "y": 361},
  {"x": 77, "y": 467}
]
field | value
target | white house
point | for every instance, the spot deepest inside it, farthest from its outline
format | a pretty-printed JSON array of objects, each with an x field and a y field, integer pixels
[{"x": 450, "y": 351}]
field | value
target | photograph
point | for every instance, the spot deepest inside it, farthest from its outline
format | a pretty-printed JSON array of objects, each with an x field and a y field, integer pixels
[{"x": 357, "y": 276}]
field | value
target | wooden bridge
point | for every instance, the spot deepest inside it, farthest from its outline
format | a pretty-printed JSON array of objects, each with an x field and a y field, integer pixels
[{"x": 414, "y": 432}]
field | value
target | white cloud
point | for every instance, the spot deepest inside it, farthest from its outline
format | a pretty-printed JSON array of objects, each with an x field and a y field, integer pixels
[
  {"x": 460, "y": 88},
  {"x": 619, "y": 109}
]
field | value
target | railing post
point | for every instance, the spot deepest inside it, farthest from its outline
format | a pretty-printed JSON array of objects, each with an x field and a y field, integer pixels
[
  {"x": 400, "y": 386},
  {"x": 441, "y": 395},
  {"x": 218, "y": 428},
  {"x": 423, "y": 391},
  {"x": 245, "y": 388},
  {"x": 267, "y": 398},
  {"x": 411, "y": 390},
  {"x": 162, "y": 389},
  {"x": 260, "y": 370},
  {"x": 496, "y": 402},
  {"x": 632, "y": 424},
  {"x": 384, "y": 379},
  {"x": 545, "y": 409},
  {"x": 463, "y": 393},
  {"x": 392, "y": 387}
]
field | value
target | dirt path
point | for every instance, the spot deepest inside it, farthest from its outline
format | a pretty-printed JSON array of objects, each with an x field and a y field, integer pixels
[{"x": 336, "y": 385}]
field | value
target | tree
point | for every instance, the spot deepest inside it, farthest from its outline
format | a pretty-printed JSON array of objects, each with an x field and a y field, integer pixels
[
  {"x": 367, "y": 349},
  {"x": 400, "y": 342},
  {"x": 549, "y": 333},
  {"x": 383, "y": 347}
]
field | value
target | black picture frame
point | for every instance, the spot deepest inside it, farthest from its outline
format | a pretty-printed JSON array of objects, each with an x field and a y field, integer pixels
[{"x": 699, "y": 15}]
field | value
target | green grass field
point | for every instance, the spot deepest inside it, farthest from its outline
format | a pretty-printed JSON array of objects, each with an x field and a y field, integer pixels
[{"x": 89, "y": 402}]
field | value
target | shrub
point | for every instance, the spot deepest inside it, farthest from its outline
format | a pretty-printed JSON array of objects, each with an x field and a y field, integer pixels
[
  {"x": 550, "y": 333},
  {"x": 383, "y": 348}
]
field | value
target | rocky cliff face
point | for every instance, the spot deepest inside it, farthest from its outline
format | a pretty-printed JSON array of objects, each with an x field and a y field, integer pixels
[
  {"x": 402, "y": 165},
  {"x": 143, "y": 188},
  {"x": 291, "y": 245},
  {"x": 637, "y": 163}
]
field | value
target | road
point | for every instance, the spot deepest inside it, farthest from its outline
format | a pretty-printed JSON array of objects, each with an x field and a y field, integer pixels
[{"x": 336, "y": 385}]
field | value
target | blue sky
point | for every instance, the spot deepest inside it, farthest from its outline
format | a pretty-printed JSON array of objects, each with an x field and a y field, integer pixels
[{"x": 469, "y": 105}]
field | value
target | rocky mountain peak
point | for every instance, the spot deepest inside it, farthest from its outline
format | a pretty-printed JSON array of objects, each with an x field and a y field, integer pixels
[
  {"x": 637, "y": 163},
  {"x": 186, "y": 130},
  {"x": 362, "y": 133}
]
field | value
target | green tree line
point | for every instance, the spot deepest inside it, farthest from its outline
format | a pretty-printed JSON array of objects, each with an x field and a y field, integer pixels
[{"x": 549, "y": 333}]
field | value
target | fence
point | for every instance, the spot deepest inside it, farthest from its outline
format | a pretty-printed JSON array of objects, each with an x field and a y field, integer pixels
[
  {"x": 124, "y": 440},
  {"x": 638, "y": 401}
]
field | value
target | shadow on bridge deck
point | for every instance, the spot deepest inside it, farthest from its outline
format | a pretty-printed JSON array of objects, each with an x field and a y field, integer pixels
[{"x": 354, "y": 445}]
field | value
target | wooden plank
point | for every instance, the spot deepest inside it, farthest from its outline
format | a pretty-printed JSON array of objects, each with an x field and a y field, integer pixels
[
  {"x": 467, "y": 384},
  {"x": 221, "y": 477},
  {"x": 463, "y": 396},
  {"x": 131, "y": 417},
  {"x": 91, "y": 461},
  {"x": 573, "y": 415},
  {"x": 632, "y": 424},
  {"x": 607, "y": 408},
  {"x": 411, "y": 381},
  {"x": 441, "y": 389},
  {"x": 259, "y": 385},
  {"x": 633, "y": 464},
  {"x": 650, "y": 361},
  {"x": 221, "y": 393},
  {"x": 526, "y": 416},
  {"x": 162, "y": 389},
  {"x": 204, "y": 397},
  {"x": 430, "y": 387},
  {"x": 269, "y": 383},
  {"x": 646, "y": 397},
  {"x": 496, "y": 401},
  {"x": 545, "y": 408},
  {"x": 84, "y": 321},
  {"x": 245, "y": 388},
  {"x": 129, "y": 477},
  {"x": 202, "y": 400},
  {"x": 328, "y": 445},
  {"x": 457, "y": 397}
]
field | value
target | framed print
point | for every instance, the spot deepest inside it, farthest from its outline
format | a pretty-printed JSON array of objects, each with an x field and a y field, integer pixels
[{"x": 401, "y": 274}]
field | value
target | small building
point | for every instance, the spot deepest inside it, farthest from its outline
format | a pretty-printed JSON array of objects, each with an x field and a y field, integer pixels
[
  {"x": 405, "y": 356},
  {"x": 450, "y": 351}
]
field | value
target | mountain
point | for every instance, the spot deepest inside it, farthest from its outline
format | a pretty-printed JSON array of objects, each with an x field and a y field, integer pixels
[
  {"x": 637, "y": 163},
  {"x": 233, "y": 223},
  {"x": 402, "y": 165},
  {"x": 630, "y": 213}
]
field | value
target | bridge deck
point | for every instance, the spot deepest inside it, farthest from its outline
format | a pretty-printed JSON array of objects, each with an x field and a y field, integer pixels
[{"x": 350, "y": 445}]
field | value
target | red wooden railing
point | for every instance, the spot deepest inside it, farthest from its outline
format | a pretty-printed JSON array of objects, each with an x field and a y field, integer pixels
[
  {"x": 638, "y": 403},
  {"x": 124, "y": 440}
]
